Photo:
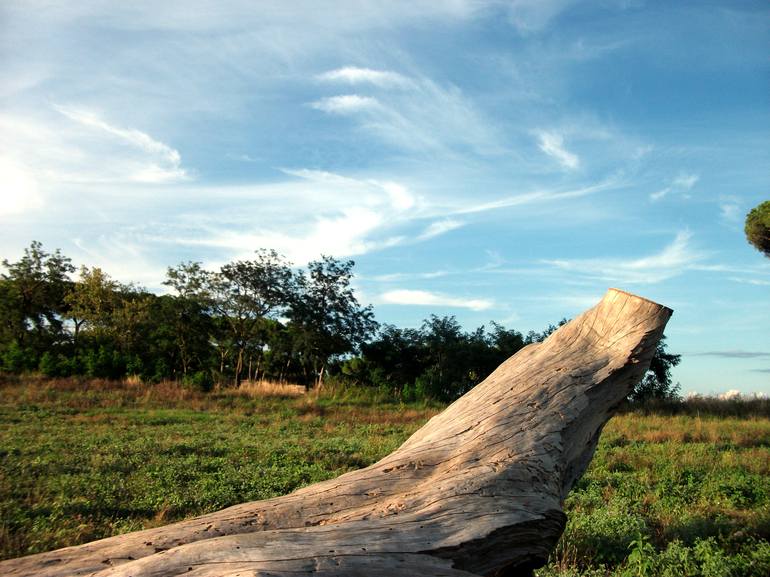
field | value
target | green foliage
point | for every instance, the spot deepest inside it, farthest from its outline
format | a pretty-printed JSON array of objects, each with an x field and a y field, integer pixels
[
  {"x": 255, "y": 319},
  {"x": 55, "y": 365},
  {"x": 16, "y": 359},
  {"x": 640, "y": 559},
  {"x": 671, "y": 496},
  {"x": 200, "y": 380},
  {"x": 326, "y": 318},
  {"x": 656, "y": 384},
  {"x": 438, "y": 361},
  {"x": 758, "y": 227},
  {"x": 33, "y": 290}
]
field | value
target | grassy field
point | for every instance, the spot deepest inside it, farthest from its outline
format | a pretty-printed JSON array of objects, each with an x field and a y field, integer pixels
[{"x": 664, "y": 495}]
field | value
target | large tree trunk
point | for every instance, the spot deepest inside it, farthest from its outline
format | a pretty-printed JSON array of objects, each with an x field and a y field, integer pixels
[{"x": 477, "y": 491}]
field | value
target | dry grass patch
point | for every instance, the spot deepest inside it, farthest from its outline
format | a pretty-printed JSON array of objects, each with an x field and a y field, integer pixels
[{"x": 256, "y": 389}]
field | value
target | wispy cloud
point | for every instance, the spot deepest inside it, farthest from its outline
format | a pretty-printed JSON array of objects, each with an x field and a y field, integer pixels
[
  {"x": 530, "y": 16},
  {"x": 165, "y": 162},
  {"x": 345, "y": 104},
  {"x": 540, "y": 196},
  {"x": 685, "y": 181},
  {"x": 242, "y": 157},
  {"x": 730, "y": 209},
  {"x": 682, "y": 183},
  {"x": 734, "y": 354},
  {"x": 750, "y": 281},
  {"x": 552, "y": 143},
  {"x": 425, "y": 116},
  {"x": 426, "y": 298},
  {"x": 439, "y": 227},
  {"x": 401, "y": 198},
  {"x": 401, "y": 276},
  {"x": 669, "y": 262},
  {"x": 355, "y": 75}
]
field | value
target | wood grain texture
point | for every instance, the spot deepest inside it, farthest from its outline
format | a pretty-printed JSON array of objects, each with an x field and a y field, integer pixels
[{"x": 477, "y": 491}]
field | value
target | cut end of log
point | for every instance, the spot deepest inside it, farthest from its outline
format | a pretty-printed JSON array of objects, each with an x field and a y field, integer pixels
[
  {"x": 477, "y": 491},
  {"x": 634, "y": 296}
]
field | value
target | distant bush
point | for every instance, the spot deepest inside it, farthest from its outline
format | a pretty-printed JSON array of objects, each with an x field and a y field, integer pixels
[
  {"x": 200, "y": 380},
  {"x": 738, "y": 406}
]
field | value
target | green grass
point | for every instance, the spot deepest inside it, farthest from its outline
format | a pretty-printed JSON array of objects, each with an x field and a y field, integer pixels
[
  {"x": 694, "y": 493},
  {"x": 664, "y": 495}
]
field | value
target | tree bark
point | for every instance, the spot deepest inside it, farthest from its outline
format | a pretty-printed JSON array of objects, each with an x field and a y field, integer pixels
[{"x": 477, "y": 491}]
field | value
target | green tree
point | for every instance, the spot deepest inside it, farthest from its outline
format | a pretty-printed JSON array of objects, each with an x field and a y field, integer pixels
[
  {"x": 395, "y": 359},
  {"x": 36, "y": 285},
  {"x": 656, "y": 384},
  {"x": 758, "y": 227},
  {"x": 445, "y": 376},
  {"x": 326, "y": 316},
  {"x": 92, "y": 302},
  {"x": 187, "y": 315},
  {"x": 130, "y": 318},
  {"x": 181, "y": 329},
  {"x": 245, "y": 292}
]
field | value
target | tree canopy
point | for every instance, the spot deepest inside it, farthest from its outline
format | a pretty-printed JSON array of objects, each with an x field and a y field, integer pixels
[
  {"x": 758, "y": 227},
  {"x": 251, "y": 319}
]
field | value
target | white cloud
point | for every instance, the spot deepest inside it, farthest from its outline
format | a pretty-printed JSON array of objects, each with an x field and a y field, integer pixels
[
  {"x": 349, "y": 232},
  {"x": 345, "y": 104},
  {"x": 124, "y": 256},
  {"x": 130, "y": 135},
  {"x": 400, "y": 197},
  {"x": 242, "y": 157},
  {"x": 685, "y": 181},
  {"x": 61, "y": 145},
  {"x": 674, "y": 259},
  {"x": 20, "y": 188},
  {"x": 321, "y": 176},
  {"x": 426, "y": 298},
  {"x": 317, "y": 212},
  {"x": 439, "y": 227},
  {"x": 552, "y": 143},
  {"x": 166, "y": 163},
  {"x": 731, "y": 210},
  {"x": 425, "y": 118},
  {"x": 355, "y": 75}
]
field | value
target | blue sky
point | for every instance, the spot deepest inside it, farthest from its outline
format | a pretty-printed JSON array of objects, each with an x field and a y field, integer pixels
[{"x": 503, "y": 161}]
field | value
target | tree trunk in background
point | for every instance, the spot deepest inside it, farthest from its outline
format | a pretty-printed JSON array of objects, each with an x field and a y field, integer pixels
[
  {"x": 239, "y": 367},
  {"x": 320, "y": 382},
  {"x": 477, "y": 491}
]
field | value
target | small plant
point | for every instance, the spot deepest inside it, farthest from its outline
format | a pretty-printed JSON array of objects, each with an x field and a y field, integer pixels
[{"x": 641, "y": 559}]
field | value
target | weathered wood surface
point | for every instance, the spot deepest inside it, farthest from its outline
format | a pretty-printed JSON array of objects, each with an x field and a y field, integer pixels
[{"x": 477, "y": 491}]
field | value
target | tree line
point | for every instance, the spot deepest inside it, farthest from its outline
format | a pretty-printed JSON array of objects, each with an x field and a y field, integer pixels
[{"x": 251, "y": 319}]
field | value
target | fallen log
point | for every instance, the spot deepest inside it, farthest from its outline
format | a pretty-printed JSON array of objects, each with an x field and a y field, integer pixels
[{"x": 477, "y": 491}]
